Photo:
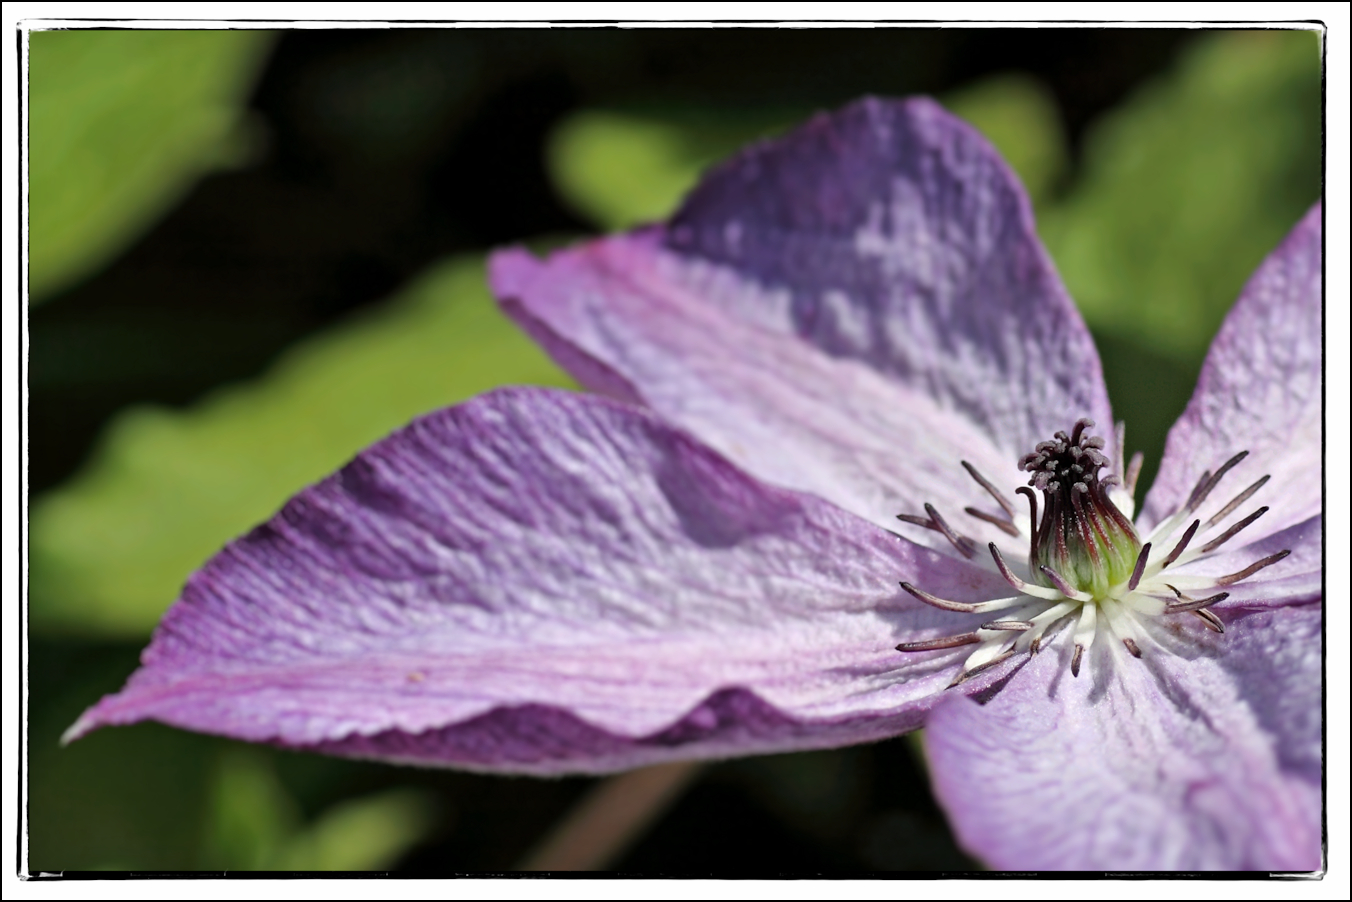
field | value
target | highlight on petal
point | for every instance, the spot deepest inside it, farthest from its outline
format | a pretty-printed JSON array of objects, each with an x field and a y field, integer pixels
[
  {"x": 1204, "y": 754},
  {"x": 1259, "y": 391},
  {"x": 543, "y": 582},
  {"x": 849, "y": 310}
]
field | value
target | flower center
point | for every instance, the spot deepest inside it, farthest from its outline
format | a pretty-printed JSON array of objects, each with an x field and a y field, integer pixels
[
  {"x": 1086, "y": 561},
  {"x": 1083, "y": 540}
]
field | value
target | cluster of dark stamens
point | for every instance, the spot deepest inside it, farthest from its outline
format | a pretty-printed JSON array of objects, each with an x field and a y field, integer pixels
[{"x": 1083, "y": 550}]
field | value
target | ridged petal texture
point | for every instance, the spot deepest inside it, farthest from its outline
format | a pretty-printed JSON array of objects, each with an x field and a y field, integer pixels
[
  {"x": 1205, "y": 754},
  {"x": 544, "y": 582},
  {"x": 1204, "y": 758},
  {"x": 850, "y": 310}
]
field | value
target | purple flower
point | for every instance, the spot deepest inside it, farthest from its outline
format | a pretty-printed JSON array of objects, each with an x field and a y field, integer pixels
[{"x": 854, "y": 321}]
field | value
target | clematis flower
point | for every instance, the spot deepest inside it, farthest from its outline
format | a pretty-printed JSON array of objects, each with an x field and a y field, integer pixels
[{"x": 703, "y": 558}]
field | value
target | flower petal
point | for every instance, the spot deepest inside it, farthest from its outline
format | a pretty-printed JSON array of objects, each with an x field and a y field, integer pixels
[
  {"x": 850, "y": 311},
  {"x": 546, "y": 582},
  {"x": 1202, "y": 756},
  {"x": 1259, "y": 391}
]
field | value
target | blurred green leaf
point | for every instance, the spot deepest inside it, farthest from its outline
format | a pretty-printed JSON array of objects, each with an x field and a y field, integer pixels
[
  {"x": 254, "y": 824},
  {"x": 621, "y": 168},
  {"x": 121, "y": 123},
  {"x": 1188, "y": 185},
  {"x": 110, "y": 550},
  {"x": 251, "y": 817},
  {"x": 1018, "y": 114},
  {"x": 367, "y": 833}
]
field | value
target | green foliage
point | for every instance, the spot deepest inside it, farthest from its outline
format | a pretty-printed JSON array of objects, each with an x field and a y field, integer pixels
[
  {"x": 121, "y": 123},
  {"x": 254, "y": 824},
  {"x": 1188, "y": 186},
  {"x": 110, "y": 550},
  {"x": 622, "y": 168}
]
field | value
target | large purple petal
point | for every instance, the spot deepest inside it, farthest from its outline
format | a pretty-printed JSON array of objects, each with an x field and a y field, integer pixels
[
  {"x": 851, "y": 311},
  {"x": 546, "y": 582},
  {"x": 1259, "y": 391},
  {"x": 1203, "y": 755}
]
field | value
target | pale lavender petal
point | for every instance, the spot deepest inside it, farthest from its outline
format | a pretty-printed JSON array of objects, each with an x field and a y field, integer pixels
[
  {"x": 1259, "y": 391},
  {"x": 851, "y": 310},
  {"x": 1202, "y": 755},
  {"x": 547, "y": 582}
]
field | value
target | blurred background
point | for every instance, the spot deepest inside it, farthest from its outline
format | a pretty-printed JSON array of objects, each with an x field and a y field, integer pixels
[{"x": 253, "y": 253}]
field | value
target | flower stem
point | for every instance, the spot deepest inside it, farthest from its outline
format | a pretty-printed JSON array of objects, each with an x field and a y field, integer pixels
[{"x": 602, "y": 826}]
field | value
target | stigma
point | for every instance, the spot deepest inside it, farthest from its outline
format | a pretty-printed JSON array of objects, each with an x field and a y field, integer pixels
[{"x": 1088, "y": 573}]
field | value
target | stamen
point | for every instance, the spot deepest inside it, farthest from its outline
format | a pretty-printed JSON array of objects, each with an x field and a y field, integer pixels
[
  {"x": 1232, "y": 531},
  {"x": 994, "y": 492},
  {"x": 1032, "y": 512},
  {"x": 1010, "y": 625},
  {"x": 1193, "y": 604},
  {"x": 1196, "y": 490},
  {"x": 1204, "y": 488},
  {"x": 960, "y": 542},
  {"x": 1139, "y": 570},
  {"x": 1182, "y": 543},
  {"x": 1132, "y": 647},
  {"x": 1133, "y": 472},
  {"x": 1019, "y": 585},
  {"x": 980, "y": 668},
  {"x": 1066, "y": 588},
  {"x": 917, "y": 521},
  {"x": 1005, "y": 525},
  {"x": 1212, "y": 622},
  {"x": 1252, "y": 569},
  {"x": 944, "y": 642},
  {"x": 1238, "y": 500},
  {"x": 998, "y": 604}
]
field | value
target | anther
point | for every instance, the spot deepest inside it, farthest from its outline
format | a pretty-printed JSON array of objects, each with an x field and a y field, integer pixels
[
  {"x": 1132, "y": 647},
  {"x": 960, "y": 607},
  {"x": 1075, "y": 660},
  {"x": 1193, "y": 604},
  {"x": 1208, "y": 483},
  {"x": 1182, "y": 543},
  {"x": 1018, "y": 584},
  {"x": 918, "y": 521},
  {"x": 980, "y": 668},
  {"x": 1252, "y": 569},
  {"x": 1009, "y": 625},
  {"x": 1064, "y": 587},
  {"x": 945, "y": 642},
  {"x": 1133, "y": 472},
  {"x": 985, "y": 483},
  {"x": 1238, "y": 500},
  {"x": 1006, "y": 526},
  {"x": 1232, "y": 531},
  {"x": 960, "y": 542},
  {"x": 1212, "y": 622},
  {"x": 1139, "y": 570}
]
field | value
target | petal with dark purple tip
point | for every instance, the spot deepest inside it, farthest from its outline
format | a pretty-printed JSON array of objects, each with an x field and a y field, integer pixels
[
  {"x": 545, "y": 582},
  {"x": 850, "y": 310},
  {"x": 1259, "y": 391},
  {"x": 1202, "y": 755}
]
